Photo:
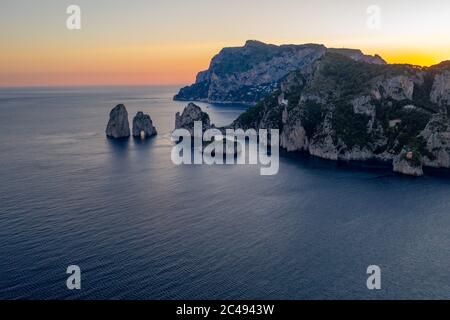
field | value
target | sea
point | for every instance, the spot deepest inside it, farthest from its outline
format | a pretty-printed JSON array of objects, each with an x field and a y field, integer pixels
[{"x": 140, "y": 227}]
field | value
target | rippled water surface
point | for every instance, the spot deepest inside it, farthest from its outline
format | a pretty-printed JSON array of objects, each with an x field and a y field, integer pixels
[{"x": 142, "y": 228}]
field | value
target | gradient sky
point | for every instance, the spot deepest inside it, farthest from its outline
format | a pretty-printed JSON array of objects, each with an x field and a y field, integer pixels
[{"x": 168, "y": 42}]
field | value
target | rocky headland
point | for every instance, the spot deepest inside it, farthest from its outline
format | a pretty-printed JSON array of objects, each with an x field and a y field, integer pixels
[
  {"x": 247, "y": 74},
  {"x": 336, "y": 104},
  {"x": 342, "y": 109}
]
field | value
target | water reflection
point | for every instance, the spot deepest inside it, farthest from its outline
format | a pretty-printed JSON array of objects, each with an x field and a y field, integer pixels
[{"x": 118, "y": 146}]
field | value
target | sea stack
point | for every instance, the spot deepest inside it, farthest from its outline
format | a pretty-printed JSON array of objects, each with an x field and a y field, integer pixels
[
  {"x": 143, "y": 126},
  {"x": 118, "y": 126},
  {"x": 191, "y": 114}
]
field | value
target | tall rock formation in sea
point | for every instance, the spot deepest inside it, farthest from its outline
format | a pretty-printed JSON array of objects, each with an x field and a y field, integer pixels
[
  {"x": 118, "y": 126},
  {"x": 249, "y": 73},
  {"x": 143, "y": 126},
  {"x": 190, "y": 114}
]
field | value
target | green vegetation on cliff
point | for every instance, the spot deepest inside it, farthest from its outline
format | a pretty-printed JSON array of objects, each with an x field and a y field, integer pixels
[
  {"x": 312, "y": 115},
  {"x": 351, "y": 127}
]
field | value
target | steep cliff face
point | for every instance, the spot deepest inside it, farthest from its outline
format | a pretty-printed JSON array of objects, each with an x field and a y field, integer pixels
[
  {"x": 249, "y": 73},
  {"x": 340, "y": 108}
]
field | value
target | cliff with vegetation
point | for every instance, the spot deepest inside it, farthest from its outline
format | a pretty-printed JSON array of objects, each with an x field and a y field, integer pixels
[
  {"x": 247, "y": 74},
  {"x": 342, "y": 108}
]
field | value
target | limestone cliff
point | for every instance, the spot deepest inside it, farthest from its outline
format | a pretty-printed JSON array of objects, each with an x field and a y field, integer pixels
[
  {"x": 342, "y": 108},
  {"x": 247, "y": 74}
]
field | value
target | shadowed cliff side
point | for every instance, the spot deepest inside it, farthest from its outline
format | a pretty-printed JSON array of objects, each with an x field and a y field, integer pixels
[
  {"x": 247, "y": 74},
  {"x": 343, "y": 109}
]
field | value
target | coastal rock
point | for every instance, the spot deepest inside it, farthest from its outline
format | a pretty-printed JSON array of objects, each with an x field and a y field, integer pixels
[
  {"x": 143, "y": 126},
  {"x": 118, "y": 126},
  {"x": 345, "y": 109},
  {"x": 294, "y": 138},
  {"x": 440, "y": 92},
  {"x": 398, "y": 88},
  {"x": 324, "y": 148},
  {"x": 357, "y": 55},
  {"x": 408, "y": 163},
  {"x": 356, "y": 154},
  {"x": 437, "y": 142},
  {"x": 363, "y": 105},
  {"x": 247, "y": 74},
  {"x": 191, "y": 114}
]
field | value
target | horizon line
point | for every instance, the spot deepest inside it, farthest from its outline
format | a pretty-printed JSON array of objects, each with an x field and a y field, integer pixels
[{"x": 43, "y": 86}]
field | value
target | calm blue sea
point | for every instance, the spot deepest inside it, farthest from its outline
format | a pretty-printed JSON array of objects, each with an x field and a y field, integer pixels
[{"x": 142, "y": 228}]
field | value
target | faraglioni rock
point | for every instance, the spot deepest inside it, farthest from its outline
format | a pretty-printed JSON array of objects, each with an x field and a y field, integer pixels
[
  {"x": 118, "y": 126},
  {"x": 247, "y": 74},
  {"x": 192, "y": 113},
  {"x": 143, "y": 126}
]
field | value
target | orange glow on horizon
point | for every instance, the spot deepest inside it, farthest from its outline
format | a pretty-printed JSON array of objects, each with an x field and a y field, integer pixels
[
  {"x": 140, "y": 65},
  {"x": 421, "y": 58},
  {"x": 169, "y": 42},
  {"x": 134, "y": 65}
]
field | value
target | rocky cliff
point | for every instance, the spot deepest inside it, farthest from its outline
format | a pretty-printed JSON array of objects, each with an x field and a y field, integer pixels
[
  {"x": 249, "y": 73},
  {"x": 342, "y": 108}
]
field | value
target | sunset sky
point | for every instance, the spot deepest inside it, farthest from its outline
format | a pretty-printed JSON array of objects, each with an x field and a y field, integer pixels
[{"x": 168, "y": 42}]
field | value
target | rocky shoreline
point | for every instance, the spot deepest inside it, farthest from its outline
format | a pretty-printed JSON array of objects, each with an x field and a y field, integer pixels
[
  {"x": 249, "y": 73},
  {"x": 341, "y": 109},
  {"x": 338, "y": 104},
  {"x": 335, "y": 104},
  {"x": 405, "y": 163}
]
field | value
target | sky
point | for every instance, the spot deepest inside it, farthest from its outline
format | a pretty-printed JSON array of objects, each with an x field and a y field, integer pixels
[{"x": 133, "y": 42}]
